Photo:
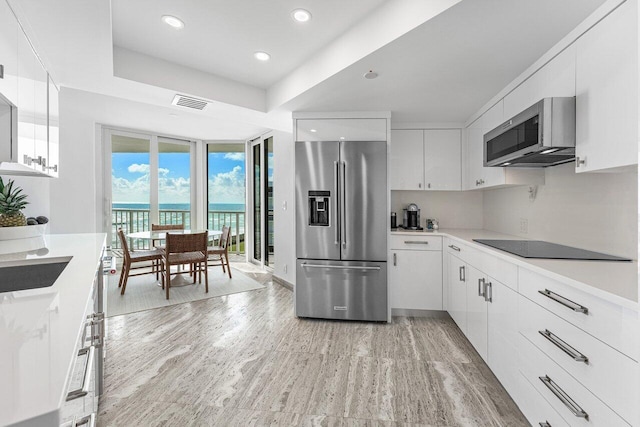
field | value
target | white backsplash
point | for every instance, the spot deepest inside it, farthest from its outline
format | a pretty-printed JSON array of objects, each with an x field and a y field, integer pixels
[
  {"x": 452, "y": 209},
  {"x": 596, "y": 211},
  {"x": 37, "y": 191}
]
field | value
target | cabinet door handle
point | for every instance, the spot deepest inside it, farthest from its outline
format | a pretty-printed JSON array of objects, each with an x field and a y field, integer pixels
[
  {"x": 455, "y": 248},
  {"x": 463, "y": 276},
  {"x": 419, "y": 185},
  {"x": 481, "y": 287},
  {"x": 564, "y": 301},
  {"x": 545, "y": 424},
  {"x": 564, "y": 397},
  {"x": 562, "y": 345},
  {"x": 415, "y": 242},
  {"x": 89, "y": 421},
  {"x": 395, "y": 259},
  {"x": 488, "y": 292},
  {"x": 88, "y": 367}
]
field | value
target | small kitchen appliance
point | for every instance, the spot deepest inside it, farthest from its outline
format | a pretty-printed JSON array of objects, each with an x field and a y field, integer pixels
[{"x": 411, "y": 217}]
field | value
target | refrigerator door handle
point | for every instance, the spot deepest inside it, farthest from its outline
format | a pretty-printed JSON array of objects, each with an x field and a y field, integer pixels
[
  {"x": 335, "y": 192},
  {"x": 343, "y": 207},
  {"x": 340, "y": 267}
]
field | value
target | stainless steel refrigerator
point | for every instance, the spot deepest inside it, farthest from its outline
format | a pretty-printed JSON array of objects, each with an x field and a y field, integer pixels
[{"x": 341, "y": 230}]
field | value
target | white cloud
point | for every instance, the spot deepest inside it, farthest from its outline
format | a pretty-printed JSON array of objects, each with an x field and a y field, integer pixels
[
  {"x": 227, "y": 187},
  {"x": 138, "y": 168},
  {"x": 239, "y": 157},
  {"x": 163, "y": 171}
]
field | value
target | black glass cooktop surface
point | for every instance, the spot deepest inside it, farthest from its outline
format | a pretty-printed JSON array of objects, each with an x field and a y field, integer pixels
[{"x": 546, "y": 250}]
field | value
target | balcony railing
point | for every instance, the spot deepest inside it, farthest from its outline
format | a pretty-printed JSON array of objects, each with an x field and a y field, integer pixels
[{"x": 134, "y": 220}]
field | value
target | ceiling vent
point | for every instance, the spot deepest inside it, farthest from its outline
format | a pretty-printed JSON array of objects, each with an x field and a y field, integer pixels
[{"x": 189, "y": 102}]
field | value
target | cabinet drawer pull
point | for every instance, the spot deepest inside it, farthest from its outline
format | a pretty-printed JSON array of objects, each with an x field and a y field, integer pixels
[
  {"x": 564, "y": 301},
  {"x": 415, "y": 242},
  {"x": 545, "y": 424},
  {"x": 88, "y": 367},
  {"x": 562, "y": 345},
  {"x": 89, "y": 421},
  {"x": 564, "y": 397},
  {"x": 481, "y": 287},
  {"x": 455, "y": 248},
  {"x": 395, "y": 259},
  {"x": 463, "y": 276}
]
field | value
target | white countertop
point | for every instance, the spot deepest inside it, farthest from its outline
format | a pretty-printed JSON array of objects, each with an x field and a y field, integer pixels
[
  {"x": 39, "y": 328},
  {"x": 613, "y": 281}
]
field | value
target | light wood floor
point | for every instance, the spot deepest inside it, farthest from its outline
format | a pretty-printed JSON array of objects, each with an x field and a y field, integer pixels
[{"x": 244, "y": 359}]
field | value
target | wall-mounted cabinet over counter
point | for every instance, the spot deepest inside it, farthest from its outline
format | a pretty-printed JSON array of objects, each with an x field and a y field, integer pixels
[
  {"x": 428, "y": 159},
  {"x": 607, "y": 92},
  {"x": 29, "y": 88},
  {"x": 341, "y": 129}
]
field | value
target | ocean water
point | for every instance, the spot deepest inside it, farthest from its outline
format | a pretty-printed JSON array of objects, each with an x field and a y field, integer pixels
[{"x": 226, "y": 207}]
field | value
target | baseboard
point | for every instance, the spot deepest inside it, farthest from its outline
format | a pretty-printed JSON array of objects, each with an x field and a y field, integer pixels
[
  {"x": 406, "y": 312},
  {"x": 280, "y": 281}
]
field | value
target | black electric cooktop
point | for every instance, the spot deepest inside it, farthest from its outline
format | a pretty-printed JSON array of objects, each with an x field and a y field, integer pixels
[{"x": 546, "y": 250}]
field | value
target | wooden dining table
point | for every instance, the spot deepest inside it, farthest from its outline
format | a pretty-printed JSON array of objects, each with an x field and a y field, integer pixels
[{"x": 162, "y": 235}]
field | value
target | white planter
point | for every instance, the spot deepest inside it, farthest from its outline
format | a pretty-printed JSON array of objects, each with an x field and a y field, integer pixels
[{"x": 27, "y": 232}]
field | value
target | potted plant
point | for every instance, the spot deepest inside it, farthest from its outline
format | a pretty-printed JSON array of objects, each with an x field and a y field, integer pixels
[{"x": 12, "y": 201}]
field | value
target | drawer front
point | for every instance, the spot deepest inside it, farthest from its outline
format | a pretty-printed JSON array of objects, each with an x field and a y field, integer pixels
[
  {"x": 606, "y": 321},
  {"x": 577, "y": 405},
  {"x": 607, "y": 373},
  {"x": 537, "y": 410},
  {"x": 417, "y": 242}
]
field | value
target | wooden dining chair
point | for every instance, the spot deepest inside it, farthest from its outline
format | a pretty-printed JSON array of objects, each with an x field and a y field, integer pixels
[
  {"x": 164, "y": 227},
  {"x": 185, "y": 249},
  {"x": 222, "y": 251},
  {"x": 132, "y": 257}
]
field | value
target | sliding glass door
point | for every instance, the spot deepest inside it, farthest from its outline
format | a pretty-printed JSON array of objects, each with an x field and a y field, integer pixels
[
  {"x": 150, "y": 183},
  {"x": 262, "y": 201}
]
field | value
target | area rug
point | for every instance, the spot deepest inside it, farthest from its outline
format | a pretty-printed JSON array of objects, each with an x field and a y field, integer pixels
[{"x": 143, "y": 292}]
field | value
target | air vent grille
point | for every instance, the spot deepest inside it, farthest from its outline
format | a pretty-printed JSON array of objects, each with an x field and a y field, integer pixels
[{"x": 189, "y": 102}]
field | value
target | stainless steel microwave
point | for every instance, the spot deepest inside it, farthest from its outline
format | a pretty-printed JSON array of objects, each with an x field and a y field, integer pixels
[{"x": 540, "y": 136}]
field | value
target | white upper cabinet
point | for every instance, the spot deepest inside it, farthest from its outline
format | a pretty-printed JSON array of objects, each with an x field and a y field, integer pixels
[
  {"x": 406, "y": 160},
  {"x": 26, "y": 102},
  {"x": 607, "y": 92},
  {"x": 442, "y": 159},
  {"x": 8, "y": 53},
  {"x": 427, "y": 159},
  {"x": 341, "y": 129},
  {"x": 556, "y": 78}
]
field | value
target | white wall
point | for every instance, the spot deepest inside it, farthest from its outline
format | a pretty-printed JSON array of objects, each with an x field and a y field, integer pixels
[
  {"x": 283, "y": 206},
  {"x": 452, "y": 209},
  {"x": 37, "y": 191},
  {"x": 591, "y": 211}
]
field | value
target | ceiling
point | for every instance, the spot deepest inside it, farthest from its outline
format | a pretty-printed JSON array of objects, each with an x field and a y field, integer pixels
[
  {"x": 438, "y": 61},
  {"x": 221, "y": 36}
]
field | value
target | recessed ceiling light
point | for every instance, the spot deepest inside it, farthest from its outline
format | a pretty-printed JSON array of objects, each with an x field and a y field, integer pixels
[
  {"x": 342, "y": 138},
  {"x": 262, "y": 56},
  {"x": 301, "y": 15},
  {"x": 370, "y": 75},
  {"x": 313, "y": 130},
  {"x": 173, "y": 21}
]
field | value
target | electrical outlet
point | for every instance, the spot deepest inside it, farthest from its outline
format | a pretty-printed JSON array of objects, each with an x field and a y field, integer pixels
[
  {"x": 524, "y": 225},
  {"x": 284, "y": 268}
]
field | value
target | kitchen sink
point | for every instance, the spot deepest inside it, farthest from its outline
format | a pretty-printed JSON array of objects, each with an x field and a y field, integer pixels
[{"x": 21, "y": 276}]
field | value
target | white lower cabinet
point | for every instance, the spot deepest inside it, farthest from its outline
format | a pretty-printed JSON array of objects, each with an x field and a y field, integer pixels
[
  {"x": 566, "y": 357},
  {"x": 502, "y": 335},
  {"x": 457, "y": 290},
  {"x": 573, "y": 401},
  {"x": 477, "y": 310},
  {"x": 415, "y": 272}
]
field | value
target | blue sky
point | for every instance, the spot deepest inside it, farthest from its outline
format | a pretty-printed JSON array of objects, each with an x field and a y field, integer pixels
[{"x": 130, "y": 178}]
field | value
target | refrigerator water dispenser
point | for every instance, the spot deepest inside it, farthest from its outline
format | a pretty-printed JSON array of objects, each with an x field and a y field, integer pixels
[{"x": 319, "y": 208}]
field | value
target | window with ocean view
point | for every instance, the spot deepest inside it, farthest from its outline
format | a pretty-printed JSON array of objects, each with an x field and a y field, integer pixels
[{"x": 226, "y": 190}]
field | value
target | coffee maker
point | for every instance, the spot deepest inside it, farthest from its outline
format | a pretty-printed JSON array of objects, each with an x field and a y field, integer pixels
[{"x": 411, "y": 217}]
